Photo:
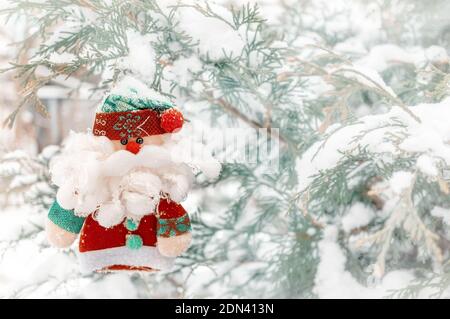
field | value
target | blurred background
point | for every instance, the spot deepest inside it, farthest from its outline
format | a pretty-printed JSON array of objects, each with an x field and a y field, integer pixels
[
  {"x": 361, "y": 24},
  {"x": 405, "y": 42},
  {"x": 405, "y": 23}
]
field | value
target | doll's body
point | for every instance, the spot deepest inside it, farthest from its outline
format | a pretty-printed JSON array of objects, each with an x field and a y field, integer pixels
[
  {"x": 148, "y": 245},
  {"x": 120, "y": 188}
]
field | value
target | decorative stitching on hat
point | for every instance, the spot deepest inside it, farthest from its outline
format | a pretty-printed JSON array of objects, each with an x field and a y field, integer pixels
[{"x": 127, "y": 124}]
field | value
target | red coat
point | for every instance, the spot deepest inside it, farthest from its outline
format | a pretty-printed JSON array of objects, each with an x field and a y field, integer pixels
[{"x": 103, "y": 249}]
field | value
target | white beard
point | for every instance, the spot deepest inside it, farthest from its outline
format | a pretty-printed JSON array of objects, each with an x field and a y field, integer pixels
[{"x": 92, "y": 177}]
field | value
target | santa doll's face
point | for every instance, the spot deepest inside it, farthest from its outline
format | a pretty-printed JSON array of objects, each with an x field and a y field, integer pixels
[{"x": 134, "y": 145}]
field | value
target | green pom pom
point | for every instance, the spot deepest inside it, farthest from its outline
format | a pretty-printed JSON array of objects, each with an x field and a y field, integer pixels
[
  {"x": 134, "y": 241},
  {"x": 131, "y": 225}
]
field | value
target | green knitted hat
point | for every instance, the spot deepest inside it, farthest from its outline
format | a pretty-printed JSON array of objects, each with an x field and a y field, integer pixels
[
  {"x": 132, "y": 95},
  {"x": 120, "y": 103},
  {"x": 132, "y": 110}
]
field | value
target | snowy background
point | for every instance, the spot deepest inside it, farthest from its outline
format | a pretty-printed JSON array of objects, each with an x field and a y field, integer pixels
[{"x": 369, "y": 113}]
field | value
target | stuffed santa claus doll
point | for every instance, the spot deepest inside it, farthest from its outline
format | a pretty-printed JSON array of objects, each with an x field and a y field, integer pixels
[{"x": 120, "y": 186}]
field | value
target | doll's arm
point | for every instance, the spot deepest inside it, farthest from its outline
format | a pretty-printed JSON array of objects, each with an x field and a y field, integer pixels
[
  {"x": 62, "y": 226},
  {"x": 173, "y": 230}
]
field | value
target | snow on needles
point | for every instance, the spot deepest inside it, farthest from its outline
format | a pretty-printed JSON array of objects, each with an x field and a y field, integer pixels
[
  {"x": 441, "y": 213},
  {"x": 383, "y": 56},
  {"x": 215, "y": 37},
  {"x": 400, "y": 181},
  {"x": 359, "y": 215},
  {"x": 333, "y": 281},
  {"x": 430, "y": 138},
  {"x": 129, "y": 86},
  {"x": 141, "y": 55}
]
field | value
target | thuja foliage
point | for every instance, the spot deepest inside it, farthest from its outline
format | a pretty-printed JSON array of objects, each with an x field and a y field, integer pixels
[
  {"x": 266, "y": 79},
  {"x": 26, "y": 178}
]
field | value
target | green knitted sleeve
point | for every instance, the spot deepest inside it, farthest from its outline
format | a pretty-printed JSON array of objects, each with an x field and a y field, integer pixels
[{"x": 65, "y": 219}]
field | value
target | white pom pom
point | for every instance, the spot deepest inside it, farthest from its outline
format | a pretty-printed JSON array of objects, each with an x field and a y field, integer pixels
[
  {"x": 110, "y": 214},
  {"x": 210, "y": 168},
  {"x": 176, "y": 186},
  {"x": 66, "y": 196},
  {"x": 87, "y": 204},
  {"x": 138, "y": 204}
]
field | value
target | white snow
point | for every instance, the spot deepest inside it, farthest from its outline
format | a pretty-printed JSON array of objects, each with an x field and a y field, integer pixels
[
  {"x": 427, "y": 165},
  {"x": 114, "y": 286},
  {"x": 64, "y": 57},
  {"x": 130, "y": 86},
  {"x": 437, "y": 54},
  {"x": 443, "y": 213},
  {"x": 29, "y": 268},
  {"x": 16, "y": 222},
  {"x": 366, "y": 76},
  {"x": 400, "y": 181},
  {"x": 181, "y": 70},
  {"x": 383, "y": 56},
  {"x": 359, "y": 215},
  {"x": 141, "y": 58},
  {"x": 215, "y": 38},
  {"x": 429, "y": 137},
  {"x": 334, "y": 281},
  {"x": 21, "y": 180}
]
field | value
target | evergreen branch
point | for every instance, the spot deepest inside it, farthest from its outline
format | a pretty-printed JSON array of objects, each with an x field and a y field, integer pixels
[
  {"x": 383, "y": 91},
  {"x": 230, "y": 109}
]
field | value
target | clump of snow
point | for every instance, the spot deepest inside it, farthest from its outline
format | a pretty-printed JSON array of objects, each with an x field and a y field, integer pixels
[
  {"x": 181, "y": 70},
  {"x": 131, "y": 87},
  {"x": 141, "y": 58},
  {"x": 366, "y": 76},
  {"x": 359, "y": 215},
  {"x": 427, "y": 165},
  {"x": 215, "y": 38},
  {"x": 383, "y": 56},
  {"x": 429, "y": 137},
  {"x": 15, "y": 222},
  {"x": 21, "y": 180},
  {"x": 29, "y": 263},
  {"x": 109, "y": 288},
  {"x": 334, "y": 281},
  {"x": 443, "y": 213},
  {"x": 437, "y": 54},
  {"x": 400, "y": 181},
  {"x": 64, "y": 57},
  {"x": 351, "y": 45}
]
